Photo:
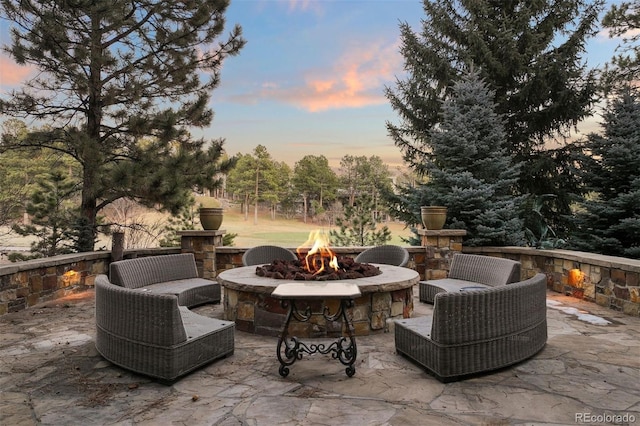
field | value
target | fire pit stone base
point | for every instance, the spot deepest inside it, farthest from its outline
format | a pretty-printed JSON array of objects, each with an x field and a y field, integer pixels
[{"x": 247, "y": 301}]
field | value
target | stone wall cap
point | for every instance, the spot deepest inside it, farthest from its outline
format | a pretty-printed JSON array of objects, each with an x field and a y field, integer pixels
[
  {"x": 201, "y": 233},
  {"x": 442, "y": 232}
]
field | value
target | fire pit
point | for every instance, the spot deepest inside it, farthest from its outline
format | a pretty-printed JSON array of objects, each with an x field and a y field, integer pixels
[
  {"x": 347, "y": 269},
  {"x": 387, "y": 293}
]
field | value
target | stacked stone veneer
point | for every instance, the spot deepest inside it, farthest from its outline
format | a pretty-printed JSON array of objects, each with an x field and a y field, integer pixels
[
  {"x": 24, "y": 284},
  {"x": 203, "y": 246},
  {"x": 439, "y": 248},
  {"x": 262, "y": 314}
]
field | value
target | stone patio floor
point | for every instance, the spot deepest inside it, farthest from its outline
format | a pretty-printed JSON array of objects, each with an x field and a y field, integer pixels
[{"x": 50, "y": 373}]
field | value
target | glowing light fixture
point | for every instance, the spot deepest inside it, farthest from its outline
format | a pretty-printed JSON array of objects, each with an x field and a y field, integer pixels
[{"x": 576, "y": 278}]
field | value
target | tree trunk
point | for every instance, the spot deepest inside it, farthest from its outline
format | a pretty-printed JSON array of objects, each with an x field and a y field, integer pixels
[
  {"x": 255, "y": 209},
  {"x": 89, "y": 155},
  {"x": 304, "y": 208}
]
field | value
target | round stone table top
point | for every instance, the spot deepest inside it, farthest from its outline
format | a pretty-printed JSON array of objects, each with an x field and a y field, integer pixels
[{"x": 392, "y": 278}]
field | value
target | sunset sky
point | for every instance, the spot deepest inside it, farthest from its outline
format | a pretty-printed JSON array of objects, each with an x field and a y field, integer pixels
[{"x": 310, "y": 79}]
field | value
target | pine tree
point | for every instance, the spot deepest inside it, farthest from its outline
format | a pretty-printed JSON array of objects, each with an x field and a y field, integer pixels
[
  {"x": 530, "y": 56},
  {"x": 119, "y": 84},
  {"x": 623, "y": 20},
  {"x": 470, "y": 171},
  {"x": 609, "y": 220},
  {"x": 51, "y": 212},
  {"x": 314, "y": 179},
  {"x": 358, "y": 226}
]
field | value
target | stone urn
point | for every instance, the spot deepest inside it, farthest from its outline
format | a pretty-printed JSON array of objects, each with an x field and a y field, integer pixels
[
  {"x": 433, "y": 217},
  {"x": 211, "y": 218}
]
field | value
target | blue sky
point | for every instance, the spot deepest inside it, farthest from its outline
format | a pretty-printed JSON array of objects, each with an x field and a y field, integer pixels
[{"x": 311, "y": 78}]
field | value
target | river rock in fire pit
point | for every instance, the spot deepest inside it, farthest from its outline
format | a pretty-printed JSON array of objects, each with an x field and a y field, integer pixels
[{"x": 348, "y": 269}]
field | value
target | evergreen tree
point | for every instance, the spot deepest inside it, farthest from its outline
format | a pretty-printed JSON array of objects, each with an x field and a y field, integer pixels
[
  {"x": 530, "y": 56},
  {"x": 19, "y": 173},
  {"x": 358, "y": 226},
  {"x": 184, "y": 220},
  {"x": 120, "y": 83},
  {"x": 315, "y": 181},
  {"x": 258, "y": 178},
  {"x": 623, "y": 20},
  {"x": 362, "y": 175},
  {"x": 52, "y": 215},
  {"x": 469, "y": 169},
  {"x": 609, "y": 220},
  {"x": 241, "y": 181}
]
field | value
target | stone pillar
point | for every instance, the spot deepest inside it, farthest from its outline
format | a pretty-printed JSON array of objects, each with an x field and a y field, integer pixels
[
  {"x": 440, "y": 246},
  {"x": 117, "y": 246},
  {"x": 203, "y": 246}
]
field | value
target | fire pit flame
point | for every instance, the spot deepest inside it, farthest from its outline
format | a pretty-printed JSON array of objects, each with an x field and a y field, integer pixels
[{"x": 319, "y": 257}]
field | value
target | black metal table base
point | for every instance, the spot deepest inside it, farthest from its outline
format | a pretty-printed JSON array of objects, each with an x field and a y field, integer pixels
[{"x": 290, "y": 348}]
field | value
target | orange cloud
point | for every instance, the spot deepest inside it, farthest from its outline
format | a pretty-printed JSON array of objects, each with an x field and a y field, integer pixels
[
  {"x": 355, "y": 80},
  {"x": 12, "y": 74}
]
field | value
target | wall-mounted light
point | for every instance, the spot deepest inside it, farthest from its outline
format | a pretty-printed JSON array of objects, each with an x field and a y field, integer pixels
[
  {"x": 71, "y": 277},
  {"x": 576, "y": 278}
]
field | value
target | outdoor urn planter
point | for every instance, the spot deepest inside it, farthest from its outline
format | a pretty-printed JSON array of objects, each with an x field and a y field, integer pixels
[
  {"x": 211, "y": 218},
  {"x": 433, "y": 217},
  {"x": 210, "y": 212}
]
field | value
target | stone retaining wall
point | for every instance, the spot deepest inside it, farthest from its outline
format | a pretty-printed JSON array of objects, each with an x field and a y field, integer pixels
[{"x": 609, "y": 281}]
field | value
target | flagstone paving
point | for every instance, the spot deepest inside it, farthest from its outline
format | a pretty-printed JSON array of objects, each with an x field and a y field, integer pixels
[{"x": 50, "y": 373}]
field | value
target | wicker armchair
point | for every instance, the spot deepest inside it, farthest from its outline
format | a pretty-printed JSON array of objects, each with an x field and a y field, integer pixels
[
  {"x": 386, "y": 254},
  {"x": 471, "y": 270},
  {"x": 150, "y": 334},
  {"x": 261, "y": 255},
  {"x": 478, "y": 330}
]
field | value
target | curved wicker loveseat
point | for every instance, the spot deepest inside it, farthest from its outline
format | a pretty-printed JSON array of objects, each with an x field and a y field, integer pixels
[
  {"x": 479, "y": 330},
  {"x": 150, "y": 334}
]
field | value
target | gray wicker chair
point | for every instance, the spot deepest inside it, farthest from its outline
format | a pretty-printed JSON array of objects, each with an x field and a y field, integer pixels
[
  {"x": 386, "y": 254},
  {"x": 471, "y": 270},
  {"x": 150, "y": 334},
  {"x": 478, "y": 330},
  {"x": 261, "y": 255}
]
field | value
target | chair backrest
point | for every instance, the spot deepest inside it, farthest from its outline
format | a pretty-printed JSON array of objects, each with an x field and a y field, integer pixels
[
  {"x": 484, "y": 314},
  {"x": 488, "y": 270},
  {"x": 138, "y": 316},
  {"x": 140, "y": 272},
  {"x": 261, "y": 255},
  {"x": 387, "y": 254}
]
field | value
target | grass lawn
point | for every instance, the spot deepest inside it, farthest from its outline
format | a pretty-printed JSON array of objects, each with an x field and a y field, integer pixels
[
  {"x": 290, "y": 233},
  {"x": 284, "y": 232}
]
